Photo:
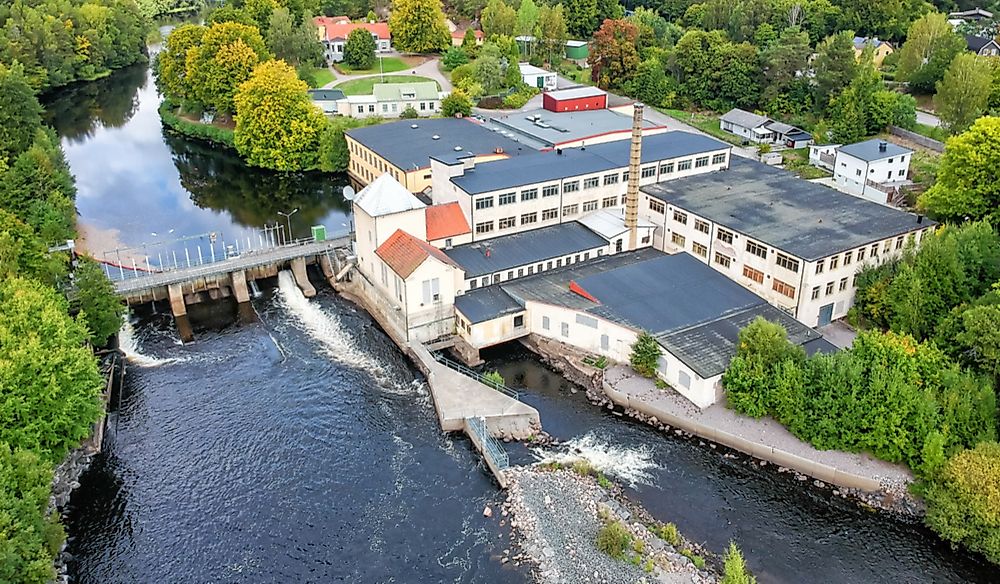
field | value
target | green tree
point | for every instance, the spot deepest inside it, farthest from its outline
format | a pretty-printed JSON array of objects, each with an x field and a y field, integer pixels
[
  {"x": 963, "y": 94},
  {"x": 260, "y": 11},
  {"x": 296, "y": 44},
  {"x": 835, "y": 66},
  {"x": 614, "y": 56},
  {"x": 493, "y": 379},
  {"x": 230, "y": 13},
  {"x": 99, "y": 306},
  {"x": 359, "y": 50},
  {"x": 763, "y": 347},
  {"x": 581, "y": 17},
  {"x": 456, "y": 103},
  {"x": 785, "y": 88},
  {"x": 20, "y": 112},
  {"x": 38, "y": 188},
  {"x": 651, "y": 84},
  {"x": 963, "y": 506},
  {"x": 653, "y": 28},
  {"x": 931, "y": 44},
  {"x": 552, "y": 33},
  {"x": 225, "y": 58},
  {"x": 23, "y": 253},
  {"x": 454, "y": 57},
  {"x": 645, "y": 356},
  {"x": 527, "y": 18},
  {"x": 171, "y": 62},
  {"x": 488, "y": 71},
  {"x": 277, "y": 125},
  {"x": 409, "y": 113},
  {"x": 470, "y": 44},
  {"x": 735, "y": 568},
  {"x": 968, "y": 178},
  {"x": 418, "y": 26},
  {"x": 32, "y": 535},
  {"x": 498, "y": 18},
  {"x": 980, "y": 337},
  {"x": 609, "y": 10}
]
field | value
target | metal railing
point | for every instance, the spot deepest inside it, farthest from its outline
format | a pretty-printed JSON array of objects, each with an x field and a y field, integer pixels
[
  {"x": 492, "y": 449},
  {"x": 476, "y": 375}
]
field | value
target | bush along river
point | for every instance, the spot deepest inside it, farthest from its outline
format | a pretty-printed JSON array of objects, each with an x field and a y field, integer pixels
[{"x": 303, "y": 447}]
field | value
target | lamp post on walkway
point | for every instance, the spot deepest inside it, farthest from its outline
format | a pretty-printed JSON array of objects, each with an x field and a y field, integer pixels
[{"x": 288, "y": 219}]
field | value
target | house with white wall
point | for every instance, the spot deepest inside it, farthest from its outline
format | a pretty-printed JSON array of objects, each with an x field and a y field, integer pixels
[
  {"x": 795, "y": 243},
  {"x": 389, "y": 100},
  {"x": 537, "y": 77},
  {"x": 334, "y": 30},
  {"x": 873, "y": 169},
  {"x": 762, "y": 129}
]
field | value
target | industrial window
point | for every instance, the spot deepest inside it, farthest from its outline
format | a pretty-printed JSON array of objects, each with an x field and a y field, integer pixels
[
  {"x": 681, "y": 217},
  {"x": 591, "y": 182},
  {"x": 611, "y": 179},
  {"x": 757, "y": 249},
  {"x": 571, "y": 209},
  {"x": 861, "y": 254},
  {"x": 648, "y": 172},
  {"x": 545, "y": 323},
  {"x": 507, "y": 198},
  {"x": 625, "y": 176},
  {"x": 519, "y": 321},
  {"x": 586, "y": 321},
  {"x": 485, "y": 281},
  {"x": 700, "y": 225},
  {"x": 529, "y": 194},
  {"x": 787, "y": 262},
  {"x": 565, "y": 329},
  {"x": 385, "y": 276},
  {"x": 899, "y": 242},
  {"x": 605, "y": 342},
  {"x": 473, "y": 284},
  {"x": 783, "y": 288},
  {"x": 874, "y": 249},
  {"x": 590, "y": 206},
  {"x": 550, "y": 191},
  {"x": 723, "y": 260},
  {"x": 586, "y": 255},
  {"x": 848, "y": 257},
  {"x": 510, "y": 275},
  {"x": 820, "y": 266},
  {"x": 657, "y": 206},
  {"x": 666, "y": 168},
  {"x": 684, "y": 379},
  {"x": 677, "y": 239},
  {"x": 834, "y": 262},
  {"x": 432, "y": 290},
  {"x": 684, "y": 165},
  {"x": 571, "y": 186},
  {"x": 484, "y": 202},
  {"x": 559, "y": 263},
  {"x": 701, "y": 161},
  {"x": 507, "y": 223},
  {"x": 484, "y": 227},
  {"x": 843, "y": 284},
  {"x": 718, "y": 158},
  {"x": 752, "y": 274},
  {"x": 520, "y": 272},
  {"x": 529, "y": 218},
  {"x": 699, "y": 249},
  {"x": 548, "y": 266},
  {"x": 531, "y": 270},
  {"x": 609, "y": 202},
  {"x": 815, "y": 292},
  {"x": 549, "y": 214},
  {"x": 724, "y": 236}
]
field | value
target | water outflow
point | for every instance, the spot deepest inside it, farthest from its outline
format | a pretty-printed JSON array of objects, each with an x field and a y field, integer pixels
[
  {"x": 631, "y": 465},
  {"x": 129, "y": 344}
]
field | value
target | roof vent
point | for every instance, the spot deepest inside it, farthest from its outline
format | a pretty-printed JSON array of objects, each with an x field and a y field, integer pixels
[
  {"x": 435, "y": 137},
  {"x": 882, "y": 145},
  {"x": 458, "y": 148},
  {"x": 414, "y": 126}
]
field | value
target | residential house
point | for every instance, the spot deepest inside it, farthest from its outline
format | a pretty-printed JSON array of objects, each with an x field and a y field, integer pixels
[
  {"x": 458, "y": 37},
  {"x": 880, "y": 49},
  {"x": 873, "y": 169},
  {"x": 762, "y": 129},
  {"x": 389, "y": 100},
  {"x": 538, "y": 77},
  {"x": 981, "y": 46},
  {"x": 334, "y": 30},
  {"x": 326, "y": 99}
]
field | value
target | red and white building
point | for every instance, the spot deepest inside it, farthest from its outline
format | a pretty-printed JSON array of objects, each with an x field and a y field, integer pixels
[
  {"x": 334, "y": 30},
  {"x": 575, "y": 99}
]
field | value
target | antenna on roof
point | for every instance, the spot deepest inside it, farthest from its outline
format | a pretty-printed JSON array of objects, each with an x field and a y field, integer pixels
[{"x": 348, "y": 193}]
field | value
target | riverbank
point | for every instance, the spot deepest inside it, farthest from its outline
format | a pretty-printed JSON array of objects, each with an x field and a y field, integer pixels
[
  {"x": 557, "y": 516},
  {"x": 212, "y": 133}
]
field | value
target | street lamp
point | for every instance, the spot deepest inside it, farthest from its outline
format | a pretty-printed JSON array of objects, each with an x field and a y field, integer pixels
[{"x": 288, "y": 218}]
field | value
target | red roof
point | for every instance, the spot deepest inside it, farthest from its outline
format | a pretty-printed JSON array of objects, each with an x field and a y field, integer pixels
[
  {"x": 338, "y": 27},
  {"x": 460, "y": 34},
  {"x": 445, "y": 220},
  {"x": 404, "y": 253}
]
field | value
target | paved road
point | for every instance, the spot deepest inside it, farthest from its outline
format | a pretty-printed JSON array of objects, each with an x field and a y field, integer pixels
[
  {"x": 428, "y": 69},
  {"x": 928, "y": 119}
]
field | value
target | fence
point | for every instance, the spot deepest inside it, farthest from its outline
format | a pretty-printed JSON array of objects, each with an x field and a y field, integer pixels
[
  {"x": 476, "y": 375},
  {"x": 491, "y": 447},
  {"x": 929, "y": 143}
]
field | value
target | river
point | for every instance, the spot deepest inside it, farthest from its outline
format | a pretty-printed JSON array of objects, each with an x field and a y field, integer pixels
[{"x": 304, "y": 448}]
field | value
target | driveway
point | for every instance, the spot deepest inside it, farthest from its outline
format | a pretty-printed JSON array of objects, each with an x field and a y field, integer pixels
[
  {"x": 428, "y": 68},
  {"x": 928, "y": 119}
]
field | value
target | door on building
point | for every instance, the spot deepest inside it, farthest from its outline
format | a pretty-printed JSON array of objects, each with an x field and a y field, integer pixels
[
  {"x": 618, "y": 246},
  {"x": 540, "y": 82},
  {"x": 825, "y": 315}
]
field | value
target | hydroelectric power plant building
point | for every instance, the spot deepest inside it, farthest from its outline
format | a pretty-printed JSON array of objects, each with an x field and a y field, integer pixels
[{"x": 582, "y": 246}]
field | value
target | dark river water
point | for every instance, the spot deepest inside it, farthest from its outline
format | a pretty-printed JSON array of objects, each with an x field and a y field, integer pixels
[{"x": 303, "y": 447}]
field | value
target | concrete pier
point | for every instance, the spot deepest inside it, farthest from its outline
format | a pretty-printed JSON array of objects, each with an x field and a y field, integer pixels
[
  {"x": 302, "y": 278},
  {"x": 176, "y": 294},
  {"x": 239, "y": 286}
]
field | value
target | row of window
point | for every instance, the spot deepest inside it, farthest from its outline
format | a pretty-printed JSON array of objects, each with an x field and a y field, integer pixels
[
  {"x": 531, "y": 270},
  {"x": 580, "y": 319},
  {"x": 526, "y": 219},
  {"x": 873, "y": 250},
  {"x": 842, "y": 286},
  {"x": 394, "y": 107}
]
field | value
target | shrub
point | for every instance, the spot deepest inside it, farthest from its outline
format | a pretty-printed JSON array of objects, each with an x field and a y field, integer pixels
[
  {"x": 96, "y": 299},
  {"x": 493, "y": 379},
  {"x": 454, "y": 57},
  {"x": 668, "y": 533},
  {"x": 614, "y": 539},
  {"x": 698, "y": 561},
  {"x": 734, "y": 568},
  {"x": 583, "y": 468},
  {"x": 603, "y": 481},
  {"x": 645, "y": 357},
  {"x": 517, "y": 99},
  {"x": 197, "y": 130},
  {"x": 456, "y": 103},
  {"x": 409, "y": 113}
]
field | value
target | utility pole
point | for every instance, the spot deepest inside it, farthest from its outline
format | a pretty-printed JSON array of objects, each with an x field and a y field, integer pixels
[{"x": 288, "y": 216}]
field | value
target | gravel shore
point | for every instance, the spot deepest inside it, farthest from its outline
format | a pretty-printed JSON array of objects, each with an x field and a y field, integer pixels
[{"x": 556, "y": 516}]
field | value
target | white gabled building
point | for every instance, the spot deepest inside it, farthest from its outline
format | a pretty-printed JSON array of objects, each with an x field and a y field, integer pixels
[{"x": 873, "y": 169}]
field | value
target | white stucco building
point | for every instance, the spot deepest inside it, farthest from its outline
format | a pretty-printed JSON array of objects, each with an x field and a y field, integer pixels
[{"x": 873, "y": 169}]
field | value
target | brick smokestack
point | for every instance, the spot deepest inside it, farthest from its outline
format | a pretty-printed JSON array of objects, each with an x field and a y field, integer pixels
[{"x": 632, "y": 194}]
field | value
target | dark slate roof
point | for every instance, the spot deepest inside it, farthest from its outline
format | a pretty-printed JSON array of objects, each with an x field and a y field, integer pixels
[
  {"x": 552, "y": 166},
  {"x": 411, "y": 148},
  {"x": 976, "y": 43},
  {"x": 805, "y": 219},
  {"x": 326, "y": 94},
  {"x": 527, "y": 247},
  {"x": 483, "y": 304},
  {"x": 743, "y": 118},
  {"x": 869, "y": 150}
]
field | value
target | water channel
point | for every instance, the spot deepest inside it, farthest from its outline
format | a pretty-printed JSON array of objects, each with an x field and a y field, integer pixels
[{"x": 304, "y": 448}]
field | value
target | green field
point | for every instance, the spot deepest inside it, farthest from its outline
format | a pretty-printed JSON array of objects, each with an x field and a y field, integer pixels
[
  {"x": 389, "y": 65},
  {"x": 322, "y": 76},
  {"x": 364, "y": 86},
  {"x": 708, "y": 123}
]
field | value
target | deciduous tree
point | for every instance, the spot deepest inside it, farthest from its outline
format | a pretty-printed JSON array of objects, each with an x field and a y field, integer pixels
[
  {"x": 277, "y": 125},
  {"x": 171, "y": 62},
  {"x": 552, "y": 32},
  {"x": 963, "y": 506},
  {"x": 968, "y": 178},
  {"x": 359, "y": 50},
  {"x": 964, "y": 92},
  {"x": 20, "y": 113},
  {"x": 614, "y": 56},
  {"x": 224, "y": 59},
  {"x": 418, "y": 26},
  {"x": 296, "y": 44},
  {"x": 930, "y": 46},
  {"x": 527, "y": 18},
  {"x": 784, "y": 68},
  {"x": 97, "y": 302},
  {"x": 498, "y": 18}
]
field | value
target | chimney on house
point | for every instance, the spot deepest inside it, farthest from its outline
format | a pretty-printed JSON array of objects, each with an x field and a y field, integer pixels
[
  {"x": 632, "y": 194},
  {"x": 882, "y": 145}
]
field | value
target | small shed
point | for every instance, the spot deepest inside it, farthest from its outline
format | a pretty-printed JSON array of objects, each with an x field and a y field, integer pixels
[
  {"x": 538, "y": 77},
  {"x": 575, "y": 99},
  {"x": 326, "y": 99},
  {"x": 577, "y": 50}
]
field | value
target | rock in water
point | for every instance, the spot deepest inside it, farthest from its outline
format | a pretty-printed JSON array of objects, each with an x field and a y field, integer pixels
[{"x": 487, "y": 512}]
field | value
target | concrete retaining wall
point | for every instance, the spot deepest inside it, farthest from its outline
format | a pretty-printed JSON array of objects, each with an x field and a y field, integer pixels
[
  {"x": 805, "y": 466},
  {"x": 929, "y": 143}
]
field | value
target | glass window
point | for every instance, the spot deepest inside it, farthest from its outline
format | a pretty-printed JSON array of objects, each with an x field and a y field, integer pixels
[
  {"x": 484, "y": 202},
  {"x": 677, "y": 239},
  {"x": 519, "y": 321},
  {"x": 529, "y": 218},
  {"x": 861, "y": 254},
  {"x": 700, "y": 225},
  {"x": 507, "y": 198},
  {"x": 609, "y": 202},
  {"x": 591, "y": 182},
  {"x": 565, "y": 329},
  {"x": 787, "y": 262},
  {"x": 571, "y": 209},
  {"x": 507, "y": 223},
  {"x": 718, "y": 158},
  {"x": 752, "y": 274},
  {"x": 666, "y": 168},
  {"x": 820, "y": 266},
  {"x": 571, "y": 186},
  {"x": 648, "y": 172},
  {"x": 699, "y": 249},
  {"x": 550, "y": 214},
  {"x": 724, "y": 236},
  {"x": 529, "y": 194},
  {"x": 783, "y": 288},
  {"x": 484, "y": 227},
  {"x": 684, "y": 165},
  {"x": 545, "y": 322},
  {"x": 848, "y": 257},
  {"x": 723, "y": 260},
  {"x": 829, "y": 288},
  {"x": 834, "y": 262},
  {"x": 843, "y": 284},
  {"x": 815, "y": 292},
  {"x": 681, "y": 217},
  {"x": 550, "y": 191},
  {"x": 611, "y": 179},
  {"x": 701, "y": 161},
  {"x": 756, "y": 249},
  {"x": 590, "y": 206},
  {"x": 657, "y": 206}
]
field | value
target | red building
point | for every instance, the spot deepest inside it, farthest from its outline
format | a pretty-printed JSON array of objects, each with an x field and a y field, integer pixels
[{"x": 576, "y": 99}]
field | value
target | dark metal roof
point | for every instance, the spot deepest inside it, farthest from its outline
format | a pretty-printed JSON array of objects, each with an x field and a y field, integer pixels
[
  {"x": 805, "y": 219},
  {"x": 326, "y": 94},
  {"x": 528, "y": 247},
  {"x": 483, "y": 304},
  {"x": 869, "y": 150},
  {"x": 976, "y": 43},
  {"x": 553, "y": 166},
  {"x": 410, "y": 148}
]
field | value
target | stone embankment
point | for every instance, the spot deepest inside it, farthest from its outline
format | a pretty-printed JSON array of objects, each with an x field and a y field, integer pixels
[
  {"x": 555, "y": 516},
  {"x": 65, "y": 480}
]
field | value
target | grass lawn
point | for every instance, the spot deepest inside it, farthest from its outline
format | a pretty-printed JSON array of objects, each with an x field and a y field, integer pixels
[
  {"x": 706, "y": 122},
  {"x": 933, "y": 132},
  {"x": 389, "y": 65},
  {"x": 322, "y": 76},
  {"x": 924, "y": 167},
  {"x": 364, "y": 86},
  {"x": 797, "y": 161}
]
